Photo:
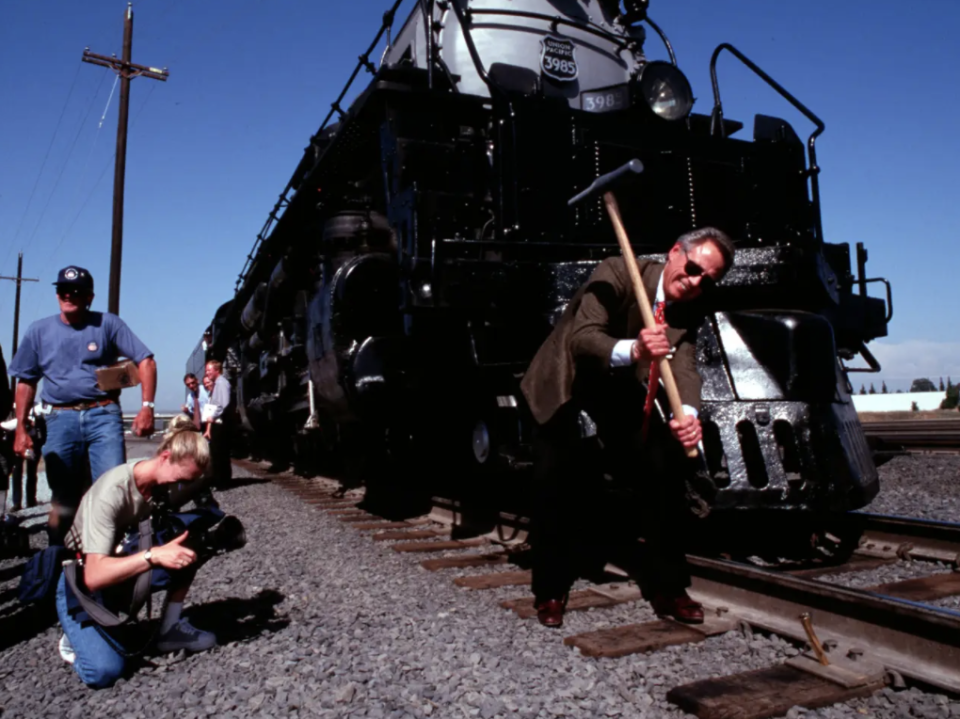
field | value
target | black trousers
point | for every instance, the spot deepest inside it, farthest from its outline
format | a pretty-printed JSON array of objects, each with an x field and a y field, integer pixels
[
  {"x": 576, "y": 528},
  {"x": 17, "y": 481},
  {"x": 220, "y": 455}
]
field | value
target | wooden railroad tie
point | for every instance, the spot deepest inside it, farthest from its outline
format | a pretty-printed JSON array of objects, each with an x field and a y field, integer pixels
[
  {"x": 324, "y": 504},
  {"x": 438, "y": 546},
  {"x": 578, "y": 600},
  {"x": 923, "y": 589},
  {"x": 415, "y": 534},
  {"x": 771, "y": 692},
  {"x": 367, "y": 526},
  {"x": 647, "y": 637},
  {"x": 357, "y": 516},
  {"x": 857, "y": 563},
  {"x": 476, "y": 560},
  {"x": 492, "y": 581}
]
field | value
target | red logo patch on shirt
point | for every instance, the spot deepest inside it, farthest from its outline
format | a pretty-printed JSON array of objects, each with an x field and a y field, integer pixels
[{"x": 92, "y": 346}]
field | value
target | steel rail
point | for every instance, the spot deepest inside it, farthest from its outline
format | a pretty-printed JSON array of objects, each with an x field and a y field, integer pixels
[
  {"x": 916, "y": 641},
  {"x": 856, "y": 627},
  {"x": 908, "y": 538},
  {"x": 917, "y": 435}
]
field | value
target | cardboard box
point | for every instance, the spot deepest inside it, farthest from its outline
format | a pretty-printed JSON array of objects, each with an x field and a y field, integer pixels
[{"x": 118, "y": 376}]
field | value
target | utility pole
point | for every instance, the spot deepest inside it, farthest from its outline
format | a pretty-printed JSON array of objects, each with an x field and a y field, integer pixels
[
  {"x": 19, "y": 279},
  {"x": 127, "y": 71}
]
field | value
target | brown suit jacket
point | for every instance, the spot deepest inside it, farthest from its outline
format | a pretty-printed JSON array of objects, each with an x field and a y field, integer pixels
[{"x": 601, "y": 313}]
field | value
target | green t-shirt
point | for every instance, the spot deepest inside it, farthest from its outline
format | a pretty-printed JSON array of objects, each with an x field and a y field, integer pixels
[{"x": 111, "y": 506}]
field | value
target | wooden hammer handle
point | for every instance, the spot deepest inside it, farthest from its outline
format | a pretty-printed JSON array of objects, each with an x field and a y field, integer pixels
[{"x": 676, "y": 406}]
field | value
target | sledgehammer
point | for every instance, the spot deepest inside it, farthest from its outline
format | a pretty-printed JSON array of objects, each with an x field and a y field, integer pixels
[{"x": 603, "y": 184}]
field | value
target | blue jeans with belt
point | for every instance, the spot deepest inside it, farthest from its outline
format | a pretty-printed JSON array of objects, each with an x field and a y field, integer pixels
[{"x": 72, "y": 437}]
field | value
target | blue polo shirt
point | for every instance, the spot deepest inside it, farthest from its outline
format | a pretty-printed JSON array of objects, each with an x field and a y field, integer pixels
[{"x": 66, "y": 357}]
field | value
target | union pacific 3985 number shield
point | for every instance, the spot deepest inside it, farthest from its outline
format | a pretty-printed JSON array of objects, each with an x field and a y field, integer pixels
[{"x": 557, "y": 58}]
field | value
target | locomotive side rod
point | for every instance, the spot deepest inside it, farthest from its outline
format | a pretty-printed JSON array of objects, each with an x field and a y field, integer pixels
[{"x": 604, "y": 184}]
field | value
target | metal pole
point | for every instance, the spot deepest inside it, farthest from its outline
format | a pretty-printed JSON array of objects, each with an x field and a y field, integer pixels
[
  {"x": 16, "y": 306},
  {"x": 19, "y": 279},
  {"x": 116, "y": 248},
  {"x": 127, "y": 71}
]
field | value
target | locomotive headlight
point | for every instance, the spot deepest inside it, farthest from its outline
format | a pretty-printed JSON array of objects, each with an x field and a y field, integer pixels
[{"x": 665, "y": 90}]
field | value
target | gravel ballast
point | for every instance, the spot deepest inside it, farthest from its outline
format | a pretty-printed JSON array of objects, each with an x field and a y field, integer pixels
[{"x": 316, "y": 619}]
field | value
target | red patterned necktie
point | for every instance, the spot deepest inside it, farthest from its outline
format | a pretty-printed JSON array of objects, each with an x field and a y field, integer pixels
[{"x": 654, "y": 380}]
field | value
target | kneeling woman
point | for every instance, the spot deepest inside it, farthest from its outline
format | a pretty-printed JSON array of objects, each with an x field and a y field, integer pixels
[{"x": 117, "y": 501}]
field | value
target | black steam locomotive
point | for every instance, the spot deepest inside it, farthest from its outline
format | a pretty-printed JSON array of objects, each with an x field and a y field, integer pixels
[{"x": 423, "y": 247}]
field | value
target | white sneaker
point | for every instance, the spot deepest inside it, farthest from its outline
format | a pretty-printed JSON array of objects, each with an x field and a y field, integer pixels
[{"x": 66, "y": 650}]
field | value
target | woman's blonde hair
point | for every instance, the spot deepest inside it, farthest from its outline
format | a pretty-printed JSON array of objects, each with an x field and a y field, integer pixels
[{"x": 184, "y": 440}]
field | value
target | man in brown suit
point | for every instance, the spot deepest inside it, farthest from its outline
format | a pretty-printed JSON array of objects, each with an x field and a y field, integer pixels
[{"x": 589, "y": 365}]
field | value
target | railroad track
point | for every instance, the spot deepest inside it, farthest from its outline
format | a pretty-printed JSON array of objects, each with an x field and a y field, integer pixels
[
  {"x": 920, "y": 435},
  {"x": 858, "y": 640}
]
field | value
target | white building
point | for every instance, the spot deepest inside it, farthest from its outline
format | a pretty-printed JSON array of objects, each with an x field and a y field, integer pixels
[{"x": 902, "y": 402}]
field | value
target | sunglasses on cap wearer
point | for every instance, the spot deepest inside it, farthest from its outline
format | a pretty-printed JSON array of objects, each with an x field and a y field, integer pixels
[
  {"x": 692, "y": 269},
  {"x": 72, "y": 291}
]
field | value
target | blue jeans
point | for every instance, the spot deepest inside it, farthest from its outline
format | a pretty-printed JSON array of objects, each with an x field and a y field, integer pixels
[
  {"x": 98, "y": 662},
  {"x": 72, "y": 436}
]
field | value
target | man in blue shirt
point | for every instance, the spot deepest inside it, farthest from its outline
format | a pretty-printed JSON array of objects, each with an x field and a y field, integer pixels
[
  {"x": 65, "y": 351},
  {"x": 191, "y": 406}
]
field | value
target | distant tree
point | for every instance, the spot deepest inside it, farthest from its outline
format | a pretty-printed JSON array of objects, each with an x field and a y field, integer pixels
[
  {"x": 953, "y": 394},
  {"x": 863, "y": 390},
  {"x": 923, "y": 385},
  {"x": 873, "y": 390},
  {"x": 914, "y": 407},
  {"x": 899, "y": 391},
  {"x": 942, "y": 388},
  {"x": 883, "y": 387}
]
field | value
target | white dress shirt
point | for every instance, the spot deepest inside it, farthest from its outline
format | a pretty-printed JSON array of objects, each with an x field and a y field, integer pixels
[{"x": 622, "y": 354}]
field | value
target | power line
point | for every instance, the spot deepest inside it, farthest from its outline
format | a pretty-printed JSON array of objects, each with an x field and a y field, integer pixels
[
  {"x": 62, "y": 168},
  {"x": 57, "y": 182},
  {"x": 89, "y": 197},
  {"x": 43, "y": 164}
]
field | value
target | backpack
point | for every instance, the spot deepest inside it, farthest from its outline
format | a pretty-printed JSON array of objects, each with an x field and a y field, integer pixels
[{"x": 41, "y": 573}]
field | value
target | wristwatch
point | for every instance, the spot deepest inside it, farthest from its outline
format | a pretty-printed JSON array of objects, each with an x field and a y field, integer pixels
[
  {"x": 151, "y": 405},
  {"x": 148, "y": 555}
]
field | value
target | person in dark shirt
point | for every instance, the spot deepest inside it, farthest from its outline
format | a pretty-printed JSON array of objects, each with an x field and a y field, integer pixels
[{"x": 65, "y": 351}]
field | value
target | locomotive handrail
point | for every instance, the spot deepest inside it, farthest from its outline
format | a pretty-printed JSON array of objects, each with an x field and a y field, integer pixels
[
  {"x": 874, "y": 365},
  {"x": 426, "y": 7},
  {"x": 663, "y": 38},
  {"x": 283, "y": 201},
  {"x": 716, "y": 121},
  {"x": 889, "y": 295},
  {"x": 586, "y": 25}
]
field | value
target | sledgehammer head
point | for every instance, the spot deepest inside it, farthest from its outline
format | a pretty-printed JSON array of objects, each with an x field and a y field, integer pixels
[{"x": 606, "y": 182}]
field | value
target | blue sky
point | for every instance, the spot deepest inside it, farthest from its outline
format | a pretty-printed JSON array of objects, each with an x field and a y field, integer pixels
[{"x": 250, "y": 80}]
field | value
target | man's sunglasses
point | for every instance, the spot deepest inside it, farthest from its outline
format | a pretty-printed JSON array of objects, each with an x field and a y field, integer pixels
[
  {"x": 72, "y": 292},
  {"x": 692, "y": 269}
]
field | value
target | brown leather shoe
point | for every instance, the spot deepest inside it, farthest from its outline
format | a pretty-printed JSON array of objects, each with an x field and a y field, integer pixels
[
  {"x": 550, "y": 612},
  {"x": 679, "y": 606}
]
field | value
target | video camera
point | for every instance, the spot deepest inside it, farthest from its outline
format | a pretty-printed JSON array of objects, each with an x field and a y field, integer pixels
[{"x": 212, "y": 531}]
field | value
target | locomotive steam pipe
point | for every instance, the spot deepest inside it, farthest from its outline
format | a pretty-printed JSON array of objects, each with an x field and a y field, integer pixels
[{"x": 603, "y": 184}]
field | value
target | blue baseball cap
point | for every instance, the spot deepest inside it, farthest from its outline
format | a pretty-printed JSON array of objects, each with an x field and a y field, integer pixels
[{"x": 75, "y": 277}]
